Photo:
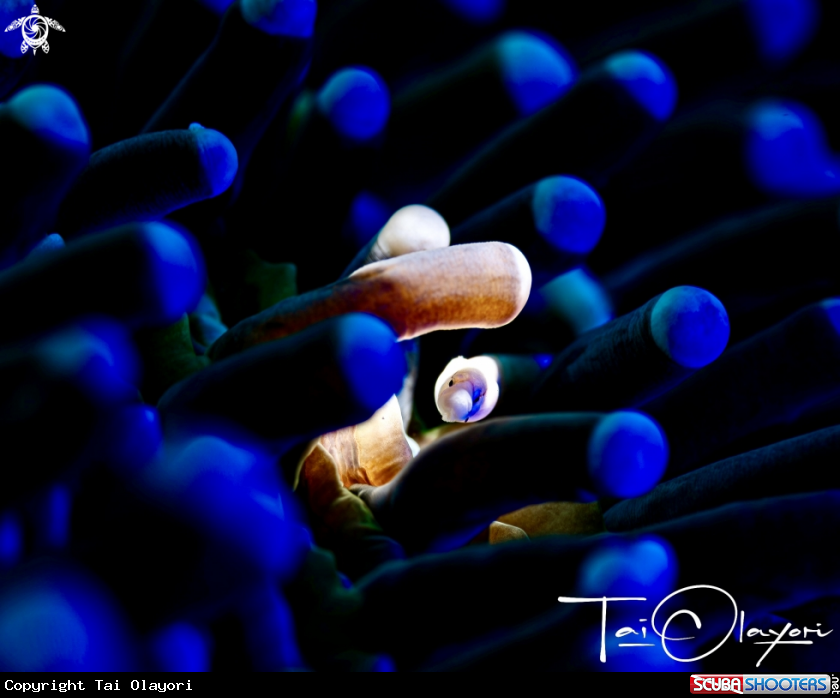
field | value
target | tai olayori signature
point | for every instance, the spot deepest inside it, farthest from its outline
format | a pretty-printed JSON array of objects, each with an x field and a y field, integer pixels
[{"x": 777, "y": 635}]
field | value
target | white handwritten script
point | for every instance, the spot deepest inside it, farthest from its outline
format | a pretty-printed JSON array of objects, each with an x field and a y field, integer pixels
[{"x": 787, "y": 632}]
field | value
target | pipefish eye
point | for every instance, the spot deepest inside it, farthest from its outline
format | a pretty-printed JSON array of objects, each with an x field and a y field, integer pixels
[{"x": 451, "y": 383}]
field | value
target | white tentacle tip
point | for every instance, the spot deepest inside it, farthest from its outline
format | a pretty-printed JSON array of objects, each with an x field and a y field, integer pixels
[
  {"x": 413, "y": 228},
  {"x": 523, "y": 275},
  {"x": 468, "y": 389}
]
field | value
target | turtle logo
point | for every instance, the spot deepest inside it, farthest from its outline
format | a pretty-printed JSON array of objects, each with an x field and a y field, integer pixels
[{"x": 35, "y": 28}]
